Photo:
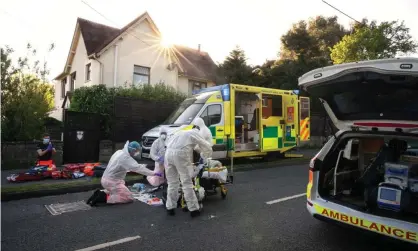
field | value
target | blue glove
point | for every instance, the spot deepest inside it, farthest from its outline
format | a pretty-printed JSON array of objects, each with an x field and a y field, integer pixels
[
  {"x": 201, "y": 161},
  {"x": 158, "y": 174},
  {"x": 161, "y": 159},
  {"x": 49, "y": 148}
]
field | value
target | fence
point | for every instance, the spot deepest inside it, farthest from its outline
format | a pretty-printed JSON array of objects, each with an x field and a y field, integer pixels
[{"x": 133, "y": 117}]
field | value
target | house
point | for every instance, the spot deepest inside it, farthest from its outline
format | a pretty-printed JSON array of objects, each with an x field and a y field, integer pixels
[{"x": 101, "y": 54}]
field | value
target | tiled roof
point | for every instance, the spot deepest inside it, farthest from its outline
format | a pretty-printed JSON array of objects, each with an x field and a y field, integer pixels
[
  {"x": 96, "y": 36},
  {"x": 193, "y": 63}
]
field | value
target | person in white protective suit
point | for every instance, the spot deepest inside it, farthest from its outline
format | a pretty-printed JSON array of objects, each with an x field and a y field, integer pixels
[
  {"x": 179, "y": 155},
  {"x": 113, "y": 180},
  {"x": 204, "y": 131},
  {"x": 157, "y": 153}
]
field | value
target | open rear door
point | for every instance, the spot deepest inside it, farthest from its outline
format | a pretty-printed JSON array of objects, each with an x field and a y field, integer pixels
[{"x": 304, "y": 119}]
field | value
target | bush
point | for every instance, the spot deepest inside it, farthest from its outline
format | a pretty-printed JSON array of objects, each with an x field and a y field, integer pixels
[{"x": 99, "y": 99}]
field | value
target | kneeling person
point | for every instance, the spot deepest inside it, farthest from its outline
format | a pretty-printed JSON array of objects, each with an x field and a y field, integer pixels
[{"x": 113, "y": 180}]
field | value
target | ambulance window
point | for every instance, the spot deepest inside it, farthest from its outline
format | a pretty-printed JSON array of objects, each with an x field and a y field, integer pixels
[
  {"x": 212, "y": 115},
  {"x": 277, "y": 106},
  {"x": 304, "y": 108}
]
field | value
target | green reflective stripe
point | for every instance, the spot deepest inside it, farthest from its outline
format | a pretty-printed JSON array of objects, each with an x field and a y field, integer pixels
[
  {"x": 280, "y": 143},
  {"x": 289, "y": 144},
  {"x": 213, "y": 131},
  {"x": 231, "y": 144},
  {"x": 270, "y": 132},
  {"x": 219, "y": 141},
  {"x": 290, "y": 138}
]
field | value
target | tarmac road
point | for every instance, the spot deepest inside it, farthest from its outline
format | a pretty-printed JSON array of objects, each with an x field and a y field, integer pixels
[{"x": 241, "y": 222}]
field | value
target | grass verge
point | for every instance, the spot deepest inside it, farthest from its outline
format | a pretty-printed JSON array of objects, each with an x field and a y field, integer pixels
[{"x": 59, "y": 185}]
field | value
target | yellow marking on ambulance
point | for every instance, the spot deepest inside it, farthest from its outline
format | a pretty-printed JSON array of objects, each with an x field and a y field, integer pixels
[
  {"x": 304, "y": 134},
  {"x": 368, "y": 225}
]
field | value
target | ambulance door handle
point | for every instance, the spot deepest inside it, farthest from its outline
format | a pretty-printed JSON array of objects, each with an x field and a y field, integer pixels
[{"x": 219, "y": 130}]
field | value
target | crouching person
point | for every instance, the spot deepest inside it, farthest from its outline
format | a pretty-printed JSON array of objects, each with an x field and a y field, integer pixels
[{"x": 113, "y": 180}]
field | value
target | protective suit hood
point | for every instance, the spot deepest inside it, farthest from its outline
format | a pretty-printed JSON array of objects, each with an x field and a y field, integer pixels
[
  {"x": 204, "y": 130},
  {"x": 163, "y": 129},
  {"x": 125, "y": 148},
  {"x": 199, "y": 122}
]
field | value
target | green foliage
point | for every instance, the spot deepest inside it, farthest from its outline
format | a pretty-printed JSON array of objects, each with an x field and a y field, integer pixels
[
  {"x": 235, "y": 68},
  {"x": 372, "y": 41},
  {"x": 99, "y": 99},
  {"x": 26, "y": 97},
  {"x": 312, "y": 39}
]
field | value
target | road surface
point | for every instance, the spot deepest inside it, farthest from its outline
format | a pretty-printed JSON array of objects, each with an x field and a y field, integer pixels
[{"x": 244, "y": 221}]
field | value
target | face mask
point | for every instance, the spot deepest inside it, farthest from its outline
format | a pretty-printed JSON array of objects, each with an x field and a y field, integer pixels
[
  {"x": 163, "y": 136},
  {"x": 46, "y": 141},
  {"x": 136, "y": 154}
]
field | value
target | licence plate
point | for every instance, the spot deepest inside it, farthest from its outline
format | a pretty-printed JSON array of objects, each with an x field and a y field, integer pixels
[{"x": 145, "y": 155}]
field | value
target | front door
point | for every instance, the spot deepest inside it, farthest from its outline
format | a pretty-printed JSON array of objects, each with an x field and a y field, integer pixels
[{"x": 214, "y": 120}]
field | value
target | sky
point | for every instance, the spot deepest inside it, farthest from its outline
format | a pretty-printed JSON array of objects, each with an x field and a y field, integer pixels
[{"x": 218, "y": 25}]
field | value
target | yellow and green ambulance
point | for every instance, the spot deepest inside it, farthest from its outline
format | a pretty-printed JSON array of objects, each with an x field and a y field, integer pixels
[{"x": 245, "y": 121}]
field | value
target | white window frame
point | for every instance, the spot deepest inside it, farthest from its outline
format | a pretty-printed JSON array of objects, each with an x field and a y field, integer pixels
[
  {"x": 63, "y": 87},
  {"x": 72, "y": 80},
  {"x": 142, "y": 74},
  {"x": 88, "y": 72}
]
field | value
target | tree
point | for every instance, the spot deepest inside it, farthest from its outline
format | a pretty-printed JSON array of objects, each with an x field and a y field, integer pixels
[
  {"x": 305, "y": 46},
  {"x": 235, "y": 68},
  {"x": 27, "y": 98},
  {"x": 373, "y": 41},
  {"x": 312, "y": 39}
]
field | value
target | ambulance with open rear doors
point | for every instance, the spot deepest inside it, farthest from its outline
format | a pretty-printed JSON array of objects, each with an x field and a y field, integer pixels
[
  {"x": 245, "y": 121},
  {"x": 366, "y": 175}
]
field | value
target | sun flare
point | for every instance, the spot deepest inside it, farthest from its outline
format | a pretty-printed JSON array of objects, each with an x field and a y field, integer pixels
[{"x": 166, "y": 43}]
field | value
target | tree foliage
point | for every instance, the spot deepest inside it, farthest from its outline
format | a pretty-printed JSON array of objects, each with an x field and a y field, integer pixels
[
  {"x": 235, "y": 68},
  {"x": 26, "y": 97},
  {"x": 316, "y": 43},
  {"x": 312, "y": 39},
  {"x": 374, "y": 41}
]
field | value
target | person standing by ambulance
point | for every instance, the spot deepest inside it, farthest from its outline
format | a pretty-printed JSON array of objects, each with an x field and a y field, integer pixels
[{"x": 157, "y": 154}]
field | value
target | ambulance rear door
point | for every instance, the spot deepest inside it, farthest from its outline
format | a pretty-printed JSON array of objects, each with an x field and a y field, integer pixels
[{"x": 304, "y": 119}]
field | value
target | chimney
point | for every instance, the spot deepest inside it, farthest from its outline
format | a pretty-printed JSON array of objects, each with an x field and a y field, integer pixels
[{"x": 198, "y": 47}]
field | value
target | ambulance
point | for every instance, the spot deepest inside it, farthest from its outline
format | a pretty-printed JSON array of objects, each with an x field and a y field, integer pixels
[
  {"x": 245, "y": 121},
  {"x": 366, "y": 175}
]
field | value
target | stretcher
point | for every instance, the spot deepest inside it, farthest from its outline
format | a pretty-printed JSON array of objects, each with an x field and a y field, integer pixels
[{"x": 207, "y": 179}]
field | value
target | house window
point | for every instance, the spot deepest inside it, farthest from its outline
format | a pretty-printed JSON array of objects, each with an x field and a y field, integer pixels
[
  {"x": 72, "y": 81},
  {"x": 88, "y": 72},
  {"x": 212, "y": 115},
  {"x": 141, "y": 75},
  {"x": 63, "y": 86},
  {"x": 196, "y": 85}
]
